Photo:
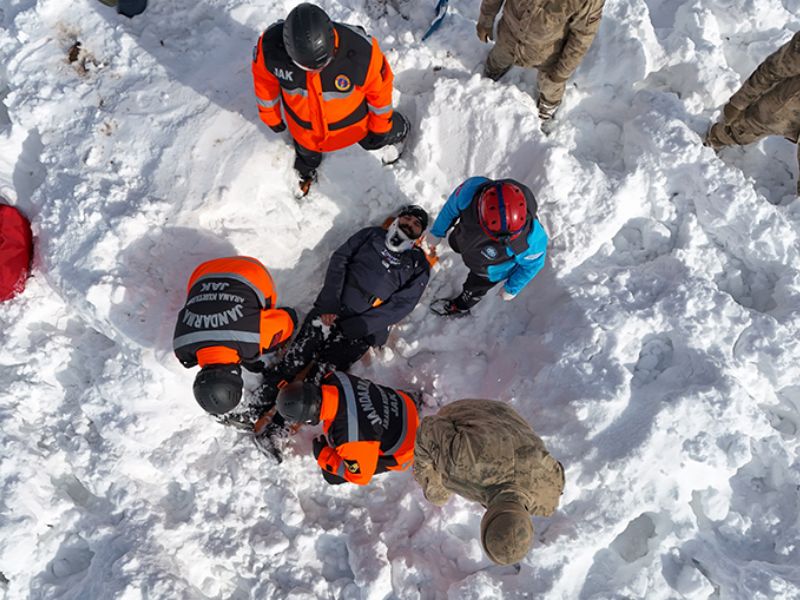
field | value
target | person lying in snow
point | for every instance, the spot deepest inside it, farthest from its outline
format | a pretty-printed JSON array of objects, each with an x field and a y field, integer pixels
[
  {"x": 228, "y": 320},
  {"x": 484, "y": 451},
  {"x": 768, "y": 103},
  {"x": 373, "y": 281},
  {"x": 368, "y": 428},
  {"x": 495, "y": 229},
  {"x": 334, "y": 84}
]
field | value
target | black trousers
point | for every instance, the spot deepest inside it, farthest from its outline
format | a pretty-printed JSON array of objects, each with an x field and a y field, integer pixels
[
  {"x": 334, "y": 352},
  {"x": 307, "y": 161},
  {"x": 475, "y": 288}
]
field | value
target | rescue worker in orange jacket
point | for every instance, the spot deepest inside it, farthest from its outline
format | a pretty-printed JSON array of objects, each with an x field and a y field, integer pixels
[
  {"x": 368, "y": 428},
  {"x": 228, "y": 320},
  {"x": 333, "y": 82}
]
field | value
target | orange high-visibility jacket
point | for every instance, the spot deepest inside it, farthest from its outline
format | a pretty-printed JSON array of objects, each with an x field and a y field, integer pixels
[
  {"x": 370, "y": 428},
  {"x": 229, "y": 316},
  {"x": 331, "y": 109}
]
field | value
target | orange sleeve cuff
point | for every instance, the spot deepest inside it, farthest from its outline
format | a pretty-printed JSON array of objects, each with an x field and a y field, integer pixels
[
  {"x": 276, "y": 327},
  {"x": 360, "y": 459},
  {"x": 329, "y": 461}
]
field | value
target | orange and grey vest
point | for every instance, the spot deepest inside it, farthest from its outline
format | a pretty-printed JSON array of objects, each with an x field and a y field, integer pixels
[
  {"x": 229, "y": 305},
  {"x": 370, "y": 428},
  {"x": 330, "y": 109}
]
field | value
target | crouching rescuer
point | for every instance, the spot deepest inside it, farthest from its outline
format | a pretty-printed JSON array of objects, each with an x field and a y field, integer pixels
[
  {"x": 228, "y": 321},
  {"x": 482, "y": 450},
  {"x": 368, "y": 428}
]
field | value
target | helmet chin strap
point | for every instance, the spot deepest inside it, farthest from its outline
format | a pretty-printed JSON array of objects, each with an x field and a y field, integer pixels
[
  {"x": 397, "y": 240},
  {"x": 310, "y": 70}
]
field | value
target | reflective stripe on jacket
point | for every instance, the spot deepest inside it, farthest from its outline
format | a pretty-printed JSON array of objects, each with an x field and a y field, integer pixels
[
  {"x": 331, "y": 109},
  {"x": 370, "y": 428},
  {"x": 229, "y": 305}
]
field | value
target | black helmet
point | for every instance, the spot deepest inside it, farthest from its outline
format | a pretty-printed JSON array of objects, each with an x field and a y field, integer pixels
[
  {"x": 308, "y": 37},
  {"x": 218, "y": 388},
  {"x": 300, "y": 402}
]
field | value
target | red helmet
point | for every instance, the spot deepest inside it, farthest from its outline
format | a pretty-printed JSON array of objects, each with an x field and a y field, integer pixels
[{"x": 503, "y": 210}]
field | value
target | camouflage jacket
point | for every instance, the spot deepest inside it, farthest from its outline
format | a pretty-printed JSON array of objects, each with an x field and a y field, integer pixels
[
  {"x": 557, "y": 32},
  {"x": 480, "y": 449},
  {"x": 774, "y": 89}
]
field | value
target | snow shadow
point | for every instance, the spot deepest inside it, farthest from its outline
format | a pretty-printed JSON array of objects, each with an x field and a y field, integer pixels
[
  {"x": 419, "y": 81},
  {"x": 665, "y": 372},
  {"x": 633, "y": 547},
  {"x": 747, "y": 563},
  {"x": 29, "y": 173},
  {"x": 772, "y": 165},
  {"x": 83, "y": 558},
  {"x": 598, "y": 100},
  {"x": 89, "y": 543},
  {"x": 153, "y": 272},
  {"x": 200, "y": 45},
  {"x": 785, "y": 416}
]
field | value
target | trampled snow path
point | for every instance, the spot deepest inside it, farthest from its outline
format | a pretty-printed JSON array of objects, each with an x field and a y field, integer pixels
[{"x": 657, "y": 353}]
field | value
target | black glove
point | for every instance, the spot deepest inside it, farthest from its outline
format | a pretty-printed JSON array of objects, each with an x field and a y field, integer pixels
[
  {"x": 318, "y": 444},
  {"x": 373, "y": 141},
  {"x": 279, "y": 127},
  {"x": 353, "y": 327},
  {"x": 270, "y": 440}
]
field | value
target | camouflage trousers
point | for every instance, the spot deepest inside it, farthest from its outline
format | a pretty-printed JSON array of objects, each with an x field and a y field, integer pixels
[
  {"x": 507, "y": 52},
  {"x": 746, "y": 130},
  {"x": 768, "y": 115}
]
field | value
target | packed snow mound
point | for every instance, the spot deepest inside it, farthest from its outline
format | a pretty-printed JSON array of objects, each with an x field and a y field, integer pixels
[{"x": 656, "y": 354}]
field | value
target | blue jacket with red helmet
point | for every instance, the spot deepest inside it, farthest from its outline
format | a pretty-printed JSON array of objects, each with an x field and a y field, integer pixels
[{"x": 516, "y": 261}]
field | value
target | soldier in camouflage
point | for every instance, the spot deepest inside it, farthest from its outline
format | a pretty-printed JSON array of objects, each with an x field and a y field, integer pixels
[
  {"x": 484, "y": 451},
  {"x": 543, "y": 34},
  {"x": 767, "y": 104}
]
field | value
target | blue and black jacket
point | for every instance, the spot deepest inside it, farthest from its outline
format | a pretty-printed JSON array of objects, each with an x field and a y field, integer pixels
[{"x": 514, "y": 261}]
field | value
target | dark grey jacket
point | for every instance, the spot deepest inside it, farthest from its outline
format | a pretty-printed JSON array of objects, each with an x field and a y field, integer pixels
[{"x": 371, "y": 288}]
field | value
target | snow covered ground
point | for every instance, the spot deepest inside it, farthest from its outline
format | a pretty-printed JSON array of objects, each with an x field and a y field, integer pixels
[{"x": 657, "y": 354}]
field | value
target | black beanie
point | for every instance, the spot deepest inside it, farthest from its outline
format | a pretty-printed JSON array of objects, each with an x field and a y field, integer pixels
[{"x": 415, "y": 210}]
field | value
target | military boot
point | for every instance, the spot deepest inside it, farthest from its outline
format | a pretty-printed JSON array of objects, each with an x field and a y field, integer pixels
[
  {"x": 495, "y": 75},
  {"x": 447, "y": 307},
  {"x": 718, "y": 135},
  {"x": 270, "y": 436},
  {"x": 547, "y": 109}
]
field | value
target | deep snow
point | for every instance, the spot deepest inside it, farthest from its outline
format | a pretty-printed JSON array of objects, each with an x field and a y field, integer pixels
[{"x": 656, "y": 354}]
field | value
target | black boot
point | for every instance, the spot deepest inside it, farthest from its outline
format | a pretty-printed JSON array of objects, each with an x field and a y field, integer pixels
[
  {"x": 267, "y": 394},
  {"x": 306, "y": 181},
  {"x": 495, "y": 75},
  {"x": 447, "y": 307},
  {"x": 270, "y": 436}
]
